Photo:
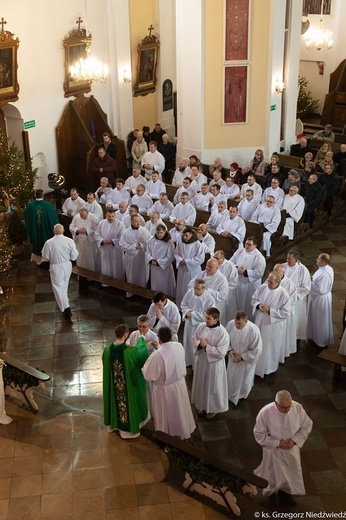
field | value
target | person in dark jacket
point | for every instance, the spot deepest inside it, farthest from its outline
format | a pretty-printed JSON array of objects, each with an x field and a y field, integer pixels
[
  {"x": 157, "y": 134},
  {"x": 300, "y": 149},
  {"x": 313, "y": 196},
  {"x": 331, "y": 183}
]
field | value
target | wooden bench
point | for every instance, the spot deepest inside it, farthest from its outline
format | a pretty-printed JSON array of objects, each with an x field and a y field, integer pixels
[
  {"x": 184, "y": 456},
  {"x": 339, "y": 361},
  {"x": 340, "y": 139},
  {"x": 289, "y": 161},
  {"x": 316, "y": 144},
  {"x": 20, "y": 380},
  {"x": 171, "y": 191},
  {"x": 87, "y": 274}
]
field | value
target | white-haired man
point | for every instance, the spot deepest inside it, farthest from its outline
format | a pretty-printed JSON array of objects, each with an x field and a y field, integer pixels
[
  {"x": 281, "y": 429},
  {"x": 271, "y": 307},
  {"x": 294, "y": 204}
]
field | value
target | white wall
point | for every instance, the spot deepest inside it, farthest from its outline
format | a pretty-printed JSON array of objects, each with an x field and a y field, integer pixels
[
  {"x": 190, "y": 82},
  {"x": 41, "y": 27},
  {"x": 318, "y": 84},
  {"x": 167, "y": 61}
]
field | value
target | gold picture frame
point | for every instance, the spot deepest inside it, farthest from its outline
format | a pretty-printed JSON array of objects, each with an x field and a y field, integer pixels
[
  {"x": 9, "y": 87},
  {"x": 75, "y": 48},
  {"x": 148, "y": 52}
]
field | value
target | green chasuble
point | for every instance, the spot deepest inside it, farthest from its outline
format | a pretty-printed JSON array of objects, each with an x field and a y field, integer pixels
[
  {"x": 40, "y": 218},
  {"x": 124, "y": 387}
]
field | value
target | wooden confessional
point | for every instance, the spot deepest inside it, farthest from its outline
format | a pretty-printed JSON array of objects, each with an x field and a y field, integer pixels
[
  {"x": 334, "y": 109},
  {"x": 78, "y": 133}
]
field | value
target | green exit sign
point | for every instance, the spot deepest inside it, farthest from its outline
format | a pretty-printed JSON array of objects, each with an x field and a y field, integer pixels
[
  {"x": 29, "y": 124},
  {"x": 272, "y": 107}
]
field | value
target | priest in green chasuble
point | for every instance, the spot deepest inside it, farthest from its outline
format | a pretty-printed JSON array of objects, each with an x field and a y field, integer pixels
[
  {"x": 40, "y": 218},
  {"x": 124, "y": 387}
]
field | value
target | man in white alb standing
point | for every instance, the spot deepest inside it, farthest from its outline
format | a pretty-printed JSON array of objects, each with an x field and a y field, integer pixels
[{"x": 60, "y": 251}]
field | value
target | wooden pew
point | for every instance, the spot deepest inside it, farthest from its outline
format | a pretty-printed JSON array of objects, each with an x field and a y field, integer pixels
[
  {"x": 339, "y": 361},
  {"x": 289, "y": 161},
  {"x": 86, "y": 274},
  {"x": 316, "y": 144},
  {"x": 20, "y": 380},
  {"x": 340, "y": 139},
  {"x": 171, "y": 191}
]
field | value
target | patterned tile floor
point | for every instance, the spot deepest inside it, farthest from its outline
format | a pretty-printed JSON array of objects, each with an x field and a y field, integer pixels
[{"x": 61, "y": 463}]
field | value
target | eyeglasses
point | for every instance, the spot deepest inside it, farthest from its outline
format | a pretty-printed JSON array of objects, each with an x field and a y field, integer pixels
[
  {"x": 143, "y": 326},
  {"x": 284, "y": 408}
]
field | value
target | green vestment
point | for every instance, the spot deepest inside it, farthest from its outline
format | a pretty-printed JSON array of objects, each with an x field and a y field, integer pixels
[
  {"x": 124, "y": 387},
  {"x": 40, "y": 218}
]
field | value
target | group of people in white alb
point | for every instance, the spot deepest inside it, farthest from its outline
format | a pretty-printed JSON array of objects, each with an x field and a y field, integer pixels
[
  {"x": 281, "y": 427},
  {"x": 288, "y": 306}
]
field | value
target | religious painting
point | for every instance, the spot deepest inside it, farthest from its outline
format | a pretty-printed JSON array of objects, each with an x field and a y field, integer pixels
[
  {"x": 237, "y": 30},
  {"x": 148, "y": 52},
  {"x": 235, "y": 94},
  {"x": 75, "y": 49},
  {"x": 167, "y": 95},
  {"x": 315, "y": 6},
  {"x": 9, "y": 87}
]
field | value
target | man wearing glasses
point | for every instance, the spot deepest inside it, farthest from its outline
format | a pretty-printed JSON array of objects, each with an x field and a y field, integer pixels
[
  {"x": 294, "y": 205},
  {"x": 269, "y": 215},
  {"x": 250, "y": 265},
  {"x": 281, "y": 429},
  {"x": 144, "y": 330}
]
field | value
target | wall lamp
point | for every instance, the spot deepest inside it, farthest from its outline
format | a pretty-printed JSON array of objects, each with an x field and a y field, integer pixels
[
  {"x": 126, "y": 76},
  {"x": 279, "y": 86}
]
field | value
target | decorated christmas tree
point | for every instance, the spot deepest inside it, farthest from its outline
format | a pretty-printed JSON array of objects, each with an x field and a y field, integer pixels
[
  {"x": 6, "y": 250},
  {"x": 17, "y": 176},
  {"x": 305, "y": 104}
]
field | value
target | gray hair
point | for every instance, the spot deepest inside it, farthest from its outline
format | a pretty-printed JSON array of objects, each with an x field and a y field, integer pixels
[{"x": 283, "y": 395}]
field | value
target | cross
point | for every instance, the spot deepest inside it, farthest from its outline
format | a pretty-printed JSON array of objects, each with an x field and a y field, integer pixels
[
  {"x": 150, "y": 29},
  {"x": 79, "y": 21},
  {"x": 2, "y": 23}
]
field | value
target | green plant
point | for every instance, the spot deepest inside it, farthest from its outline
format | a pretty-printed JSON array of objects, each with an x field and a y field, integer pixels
[
  {"x": 305, "y": 104},
  {"x": 17, "y": 176},
  {"x": 16, "y": 228},
  {"x": 201, "y": 472},
  {"x": 6, "y": 250}
]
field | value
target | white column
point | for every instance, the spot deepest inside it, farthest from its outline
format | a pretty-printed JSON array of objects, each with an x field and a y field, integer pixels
[
  {"x": 292, "y": 71},
  {"x": 190, "y": 81},
  {"x": 275, "y": 72},
  {"x": 167, "y": 61},
  {"x": 117, "y": 24}
]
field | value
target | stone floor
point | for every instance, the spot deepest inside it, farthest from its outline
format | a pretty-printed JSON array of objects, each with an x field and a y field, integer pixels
[{"x": 62, "y": 464}]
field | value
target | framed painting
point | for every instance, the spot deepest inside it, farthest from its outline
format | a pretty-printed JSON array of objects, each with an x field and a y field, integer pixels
[
  {"x": 237, "y": 30},
  {"x": 148, "y": 52},
  {"x": 235, "y": 94},
  {"x": 315, "y": 6},
  {"x": 9, "y": 87},
  {"x": 75, "y": 48}
]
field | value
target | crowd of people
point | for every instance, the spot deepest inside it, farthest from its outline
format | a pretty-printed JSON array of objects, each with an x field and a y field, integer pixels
[{"x": 234, "y": 322}]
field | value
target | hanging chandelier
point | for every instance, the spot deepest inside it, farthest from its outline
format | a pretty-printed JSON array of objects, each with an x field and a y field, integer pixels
[
  {"x": 319, "y": 38},
  {"x": 89, "y": 68}
]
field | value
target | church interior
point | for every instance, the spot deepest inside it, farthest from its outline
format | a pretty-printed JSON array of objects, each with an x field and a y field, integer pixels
[{"x": 61, "y": 462}]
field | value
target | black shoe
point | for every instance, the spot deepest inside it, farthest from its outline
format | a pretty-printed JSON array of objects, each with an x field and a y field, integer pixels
[
  {"x": 273, "y": 497},
  {"x": 286, "y": 497},
  {"x": 67, "y": 313},
  {"x": 202, "y": 413}
]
